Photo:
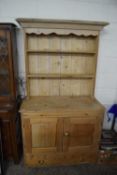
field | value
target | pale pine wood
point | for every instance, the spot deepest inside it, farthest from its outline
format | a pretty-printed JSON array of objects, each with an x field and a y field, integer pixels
[
  {"x": 60, "y": 130},
  {"x": 26, "y": 63},
  {"x": 61, "y": 121},
  {"x": 56, "y": 75},
  {"x": 44, "y": 87},
  {"x": 48, "y": 31},
  {"x": 65, "y": 64},
  {"x": 56, "y": 105},
  {"x": 61, "y": 24},
  {"x": 52, "y": 64},
  {"x": 79, "y": 156},
  {"x": 41, "y": 138},
  {"x": 27, "y": 132},
  {"x": 81, "y": 132},
  {"x": 37, "y": 138},
  {"x": 47, "y": 87},
  {"x": 62, "y": 32},
  {"x": 53, "y": 43},
  {"x": 95, "y": 67},
  {"x": 65, "y": 55},
  {"x": 63, "y": 130},
  {"x": 61, "y": 64},
  {"x": 59, "y": 52}
]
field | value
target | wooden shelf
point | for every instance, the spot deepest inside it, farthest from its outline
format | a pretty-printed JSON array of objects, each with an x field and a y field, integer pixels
[
  {"x": 51, "y": 75},
  {"x": 58, "y": 52}
]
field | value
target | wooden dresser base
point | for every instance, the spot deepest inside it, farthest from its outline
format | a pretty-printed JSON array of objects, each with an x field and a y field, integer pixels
[{"x": 61, "y": 130}]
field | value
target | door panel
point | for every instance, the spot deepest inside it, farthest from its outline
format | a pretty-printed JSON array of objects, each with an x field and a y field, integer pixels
[
  {"x": 43, "y": 135},
  {"x": 79, "y": 132}
]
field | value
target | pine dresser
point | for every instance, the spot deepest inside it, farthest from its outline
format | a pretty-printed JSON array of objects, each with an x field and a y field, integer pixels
[{"x": 61, "y": 119}]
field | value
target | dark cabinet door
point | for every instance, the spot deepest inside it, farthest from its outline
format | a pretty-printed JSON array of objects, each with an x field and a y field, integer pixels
[
  {"x": 11, "y": 135},
  {"x": 5, "y": 88},
  {"x": 8, "y": 62},
  {"x": 6, "y": 139}
]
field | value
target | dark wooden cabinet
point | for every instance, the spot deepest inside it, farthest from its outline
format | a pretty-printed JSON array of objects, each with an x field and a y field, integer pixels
[{"x": 9, "y": 103}]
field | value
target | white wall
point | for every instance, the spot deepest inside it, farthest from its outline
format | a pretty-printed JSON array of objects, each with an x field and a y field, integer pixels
[{"x": 99, "y": 10}]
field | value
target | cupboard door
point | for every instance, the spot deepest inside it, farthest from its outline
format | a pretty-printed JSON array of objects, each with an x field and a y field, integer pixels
[
  {"x": 42, "y": 135},
  {"x": 4, "y": 63},
  {"x": 80, "y": 133},
  {"x": 6, "y": 136}
]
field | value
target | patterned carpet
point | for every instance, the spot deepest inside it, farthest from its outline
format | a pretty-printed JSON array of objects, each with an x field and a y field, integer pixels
[{"x": 83, "y": 169}]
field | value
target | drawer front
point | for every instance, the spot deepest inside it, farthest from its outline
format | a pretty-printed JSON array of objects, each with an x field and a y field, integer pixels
[{"x": 63, "y": 158}]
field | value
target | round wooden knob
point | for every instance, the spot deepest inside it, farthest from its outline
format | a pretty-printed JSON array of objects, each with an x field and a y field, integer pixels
[{"x": 66, "y": 134}]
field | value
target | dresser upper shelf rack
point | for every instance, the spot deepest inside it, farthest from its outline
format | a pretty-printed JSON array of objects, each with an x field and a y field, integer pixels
[{"x": 60, "y": 56}]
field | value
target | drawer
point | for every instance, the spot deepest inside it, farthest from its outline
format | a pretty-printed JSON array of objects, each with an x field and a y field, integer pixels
[{"x": 72, "y": 158}]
